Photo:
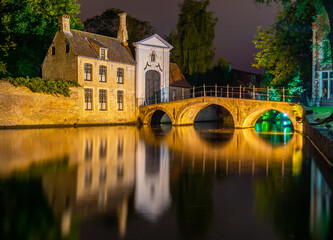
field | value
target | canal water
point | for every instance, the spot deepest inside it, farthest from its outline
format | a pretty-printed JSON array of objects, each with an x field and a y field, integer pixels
[{"x": 195, "y": 182}]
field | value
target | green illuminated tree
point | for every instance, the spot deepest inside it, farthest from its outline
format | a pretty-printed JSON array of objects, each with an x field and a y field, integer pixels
[
  {"x": 27, "y": 28},
  {"x": 285, "y": 47},
  {"x": 108, "y": 23},
  {"x": 321, "y": 6},
  {"x": 193, "y": 42}
]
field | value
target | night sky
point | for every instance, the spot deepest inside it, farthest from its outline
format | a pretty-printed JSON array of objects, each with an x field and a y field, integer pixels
[{"x": 238, "y": 20}]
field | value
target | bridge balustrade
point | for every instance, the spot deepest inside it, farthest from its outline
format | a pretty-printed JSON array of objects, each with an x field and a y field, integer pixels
[{"x": 253, "y": 93}]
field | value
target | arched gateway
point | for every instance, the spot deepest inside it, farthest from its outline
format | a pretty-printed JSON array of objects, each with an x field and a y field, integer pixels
[{"x": 153, "y": 87}]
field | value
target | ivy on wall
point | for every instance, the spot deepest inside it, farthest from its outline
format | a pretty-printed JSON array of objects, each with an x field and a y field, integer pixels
[{"x": 40, "y": 85}]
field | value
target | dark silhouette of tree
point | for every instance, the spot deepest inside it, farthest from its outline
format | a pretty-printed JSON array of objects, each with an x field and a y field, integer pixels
[
  {"x": 193, "y": 41},
  {"x": 26, "y": 31},
  {"x": 107, "y": 24}
]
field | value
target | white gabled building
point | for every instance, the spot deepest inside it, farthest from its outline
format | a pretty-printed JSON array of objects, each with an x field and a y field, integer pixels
[{"x": 152, "y": 70}]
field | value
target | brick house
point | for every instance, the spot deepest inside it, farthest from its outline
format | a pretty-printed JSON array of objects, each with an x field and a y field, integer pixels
[
  {"x": 322, "y": 73},
  {"x": 104, "y": 66},
  {"x": 114, "y": 83}
]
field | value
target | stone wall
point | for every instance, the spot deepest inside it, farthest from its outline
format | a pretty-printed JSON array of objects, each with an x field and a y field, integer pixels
[
  {"x": 20, "y": 107},
  {"x": 321, "y": 142}
]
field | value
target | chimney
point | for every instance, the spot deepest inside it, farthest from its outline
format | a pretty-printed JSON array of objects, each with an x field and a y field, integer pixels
[
  {"x": 64, "y": 25},
  {"x": 122, "y": 32}
]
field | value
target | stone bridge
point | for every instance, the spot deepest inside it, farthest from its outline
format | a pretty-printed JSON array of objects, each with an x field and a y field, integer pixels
[{"x": 244, "y": 112}]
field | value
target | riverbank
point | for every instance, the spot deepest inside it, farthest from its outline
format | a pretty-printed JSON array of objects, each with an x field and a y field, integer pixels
[{"x": 319, "y": 135}]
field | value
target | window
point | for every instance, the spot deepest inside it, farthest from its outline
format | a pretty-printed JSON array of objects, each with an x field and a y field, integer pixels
[
  {"x": 87, "y": 72},
  {"x": 331, "y": 89},
  {"x": 88, "y": 99},
  {"x": 174, "y": 94},
  {"x": 53, "y": 51},
  {"x": 331, "y": 74},
  {"x": 324, "y": 89},
  {"x": 67, "y": 48},
  {"x": 120, "y": 75},
  {"x": 102, "y": 73},
  {"x": 120, "y": 100},
  {"x": 324, "y": 75},
  {"x": 102, "y": 53},
  {"x": 102, "y": 99}
]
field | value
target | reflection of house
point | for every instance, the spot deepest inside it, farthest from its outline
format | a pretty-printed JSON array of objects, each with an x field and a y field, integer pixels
[
  {"x": 152, "y": 191},
  {"x": 322, "y": 74},
  {"x": 101, "y": 181}
]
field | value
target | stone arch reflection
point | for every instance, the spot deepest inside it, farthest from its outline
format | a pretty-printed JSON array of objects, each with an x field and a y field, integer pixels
[{"x": 274, "y": 127}]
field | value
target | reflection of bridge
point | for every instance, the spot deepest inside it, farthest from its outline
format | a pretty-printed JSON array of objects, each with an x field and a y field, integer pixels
[
  {"x": 245, "y": 112},
  {"x": 243, "y": 150}
]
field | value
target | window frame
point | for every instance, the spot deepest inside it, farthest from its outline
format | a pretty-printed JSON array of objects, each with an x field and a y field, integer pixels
[
  {"x": 67, "y": 48},
  {"x": 120, "y": 100},
  {"x": 102, "y": 99},
  {"x": 87, "y": 66},
  {"x": 101, "y": 75},
  {"x": 102, "y": 56},
  {"x": 88, "y": 92},
  {"x": 120, "y": 77}
]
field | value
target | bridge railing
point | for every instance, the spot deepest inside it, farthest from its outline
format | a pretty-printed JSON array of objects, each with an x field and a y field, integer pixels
[{"x": 241, "y": 92}]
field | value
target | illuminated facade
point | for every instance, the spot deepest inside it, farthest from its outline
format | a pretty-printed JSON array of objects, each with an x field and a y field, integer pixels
[{"x": 322, "y": 73}]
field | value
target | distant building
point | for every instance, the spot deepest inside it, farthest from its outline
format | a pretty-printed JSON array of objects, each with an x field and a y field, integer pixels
[
  {"x": 247, "y": 79},
  {"x": 114, "y": 83},
  {"x": 322, "y": 74}
]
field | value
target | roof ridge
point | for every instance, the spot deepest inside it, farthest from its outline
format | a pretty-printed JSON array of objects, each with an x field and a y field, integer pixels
[{"x": 94, "y": 34}]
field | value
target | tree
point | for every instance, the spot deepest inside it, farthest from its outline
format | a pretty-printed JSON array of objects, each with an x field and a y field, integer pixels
[
  {"x": 284, "y": 47},
  {"x": 107, "y": 24},
  {"x": 193, "y": 42},
  {"x": 321, "y": 7},
  {"x": 27, "y": 28}
]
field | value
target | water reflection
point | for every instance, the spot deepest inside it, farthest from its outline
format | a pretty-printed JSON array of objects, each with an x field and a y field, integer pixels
[{"x": 180, "y": 182}]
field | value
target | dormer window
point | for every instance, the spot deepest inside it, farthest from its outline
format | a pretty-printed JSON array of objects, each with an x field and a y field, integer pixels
[{"x": 103, "y": 53}]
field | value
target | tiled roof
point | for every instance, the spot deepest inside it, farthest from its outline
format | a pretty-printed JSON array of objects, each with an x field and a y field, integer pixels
[
  {"x": 176, "y": 78},
  {"x": 82, "y": 44}
]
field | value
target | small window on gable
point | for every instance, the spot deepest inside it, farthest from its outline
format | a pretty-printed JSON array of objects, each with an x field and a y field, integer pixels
[
  {"x": 53, "y": 50},
  {"x": 324, "y": 75},
  {"x": 102, "y": 53},
  {"x": 67, "y": 48}
]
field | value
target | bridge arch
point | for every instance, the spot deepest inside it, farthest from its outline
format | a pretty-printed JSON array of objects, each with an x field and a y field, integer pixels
[
  {"x": 187, "y": 114},
  {"x": 155, "y": 115},
  {"x": 255, "y": 114}
]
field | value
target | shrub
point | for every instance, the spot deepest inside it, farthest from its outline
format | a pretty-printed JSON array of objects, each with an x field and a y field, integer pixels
[{"x": 39, "y": 85}]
